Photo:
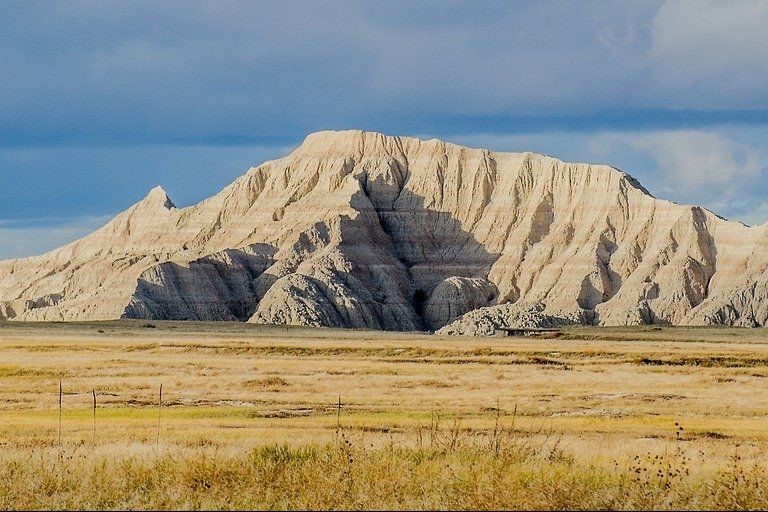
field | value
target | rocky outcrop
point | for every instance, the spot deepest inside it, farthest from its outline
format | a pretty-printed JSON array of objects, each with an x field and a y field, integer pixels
[
  {"x": 215, "y": 287},
  {"x": 486, "y": 321},
  {"x": 358, "y": 229}
]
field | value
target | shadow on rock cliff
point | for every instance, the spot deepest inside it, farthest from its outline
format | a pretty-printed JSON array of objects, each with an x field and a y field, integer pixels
[
  {"x": 219, "y": 286},
  {"x": 447, "y": 267}
]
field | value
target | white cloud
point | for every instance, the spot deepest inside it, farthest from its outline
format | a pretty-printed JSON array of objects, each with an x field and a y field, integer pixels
[
  {"x": 723, "y": 170},
  {"x": 19, "y": 239},
  {"x": 695, "y": 159},
  {"x": 711, "y": 54}
]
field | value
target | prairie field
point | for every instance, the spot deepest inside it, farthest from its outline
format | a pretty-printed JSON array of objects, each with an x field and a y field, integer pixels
[{"x": 285, "y": 417}]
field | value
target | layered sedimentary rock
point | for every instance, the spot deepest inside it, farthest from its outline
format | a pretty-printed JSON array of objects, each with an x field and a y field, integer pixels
[{"x": 358, "y": 229}]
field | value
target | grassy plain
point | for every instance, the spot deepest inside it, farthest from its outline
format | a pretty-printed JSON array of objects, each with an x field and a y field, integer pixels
[{"x": 596, "y": 418}]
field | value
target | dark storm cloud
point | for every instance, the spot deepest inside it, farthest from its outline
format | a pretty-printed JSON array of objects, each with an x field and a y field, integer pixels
[{"x": 230, "y": 72}]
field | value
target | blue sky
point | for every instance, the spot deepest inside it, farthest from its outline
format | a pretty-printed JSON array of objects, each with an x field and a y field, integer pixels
[{"x": 100, "y": 101}]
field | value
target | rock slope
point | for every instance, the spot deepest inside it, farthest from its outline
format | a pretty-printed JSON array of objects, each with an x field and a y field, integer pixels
[{"x": 359, "y": 229}]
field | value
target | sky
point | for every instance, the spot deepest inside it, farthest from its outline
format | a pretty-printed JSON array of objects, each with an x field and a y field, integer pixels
[{"x": 100, "y": 101}]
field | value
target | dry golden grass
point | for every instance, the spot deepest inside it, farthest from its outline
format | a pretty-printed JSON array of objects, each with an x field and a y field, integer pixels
[{"x": 250, "y": 419}]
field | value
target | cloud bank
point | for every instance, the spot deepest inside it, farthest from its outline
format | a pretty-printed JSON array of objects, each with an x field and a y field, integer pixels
[{"x": 103, "y": 100}]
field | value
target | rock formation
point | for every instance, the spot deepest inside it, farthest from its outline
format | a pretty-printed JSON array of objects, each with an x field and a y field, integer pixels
[
  {"x": 358, "y": 229},
  {"x": 487, "y": 320}
]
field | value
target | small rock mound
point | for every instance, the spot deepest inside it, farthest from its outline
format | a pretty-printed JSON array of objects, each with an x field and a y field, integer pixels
[{"x": 486, "y": 321}]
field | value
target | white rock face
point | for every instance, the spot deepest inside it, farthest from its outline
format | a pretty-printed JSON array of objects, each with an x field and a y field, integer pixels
[{"x": 359, "y": 229}]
